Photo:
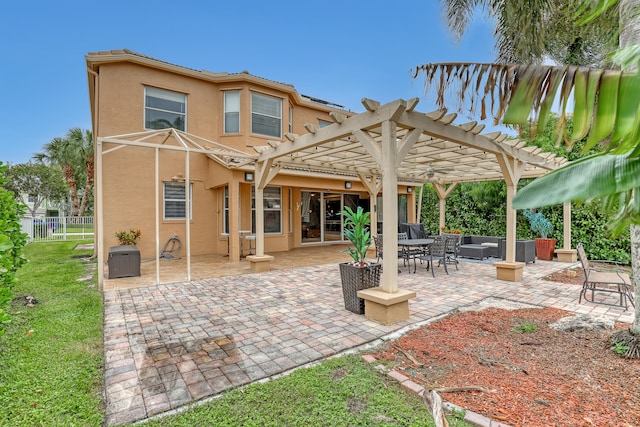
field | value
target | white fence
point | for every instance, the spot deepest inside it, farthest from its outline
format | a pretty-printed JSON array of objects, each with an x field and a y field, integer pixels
[{"x": 58, "y": 228}]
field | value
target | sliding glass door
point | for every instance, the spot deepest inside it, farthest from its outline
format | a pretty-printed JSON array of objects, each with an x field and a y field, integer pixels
[
  {"x": 320, "y": 215},
  {"x": 311, "y": 216},
  {"x": 332, "y": 217}
]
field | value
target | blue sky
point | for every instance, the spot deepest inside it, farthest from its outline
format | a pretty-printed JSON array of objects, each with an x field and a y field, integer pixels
[{"x": 336, "y": 50}]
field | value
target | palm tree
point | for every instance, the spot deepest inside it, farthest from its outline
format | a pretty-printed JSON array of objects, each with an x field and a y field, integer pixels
[
  {"x": 74, "y": 154},
  {"x": 532, "y": 31},
  {"x": 605, "y": 110},
  {"x": 58, "y": 152},
  {"x": 83, "y": 142}
]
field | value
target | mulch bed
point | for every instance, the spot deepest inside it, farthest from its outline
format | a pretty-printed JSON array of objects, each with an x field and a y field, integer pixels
[{"x": 534, "y": 378}]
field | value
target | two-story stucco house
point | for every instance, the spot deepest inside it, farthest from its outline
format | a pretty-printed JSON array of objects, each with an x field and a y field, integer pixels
[{"x": 132, "y": 93}]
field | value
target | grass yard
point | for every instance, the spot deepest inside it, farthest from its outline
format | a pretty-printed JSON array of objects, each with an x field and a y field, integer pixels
[
  {"x": 51, "y": 354},
  {"x": 342, "y": 391},
  {"x": 51, "y": 367}
]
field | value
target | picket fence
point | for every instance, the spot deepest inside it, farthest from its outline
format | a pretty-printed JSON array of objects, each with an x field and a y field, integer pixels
[{"x": 58, "y": 228}]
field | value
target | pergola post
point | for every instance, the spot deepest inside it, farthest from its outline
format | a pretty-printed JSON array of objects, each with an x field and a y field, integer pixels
[
  {"x": 386, "y": 304},
  {"x": 443, "y": 192},
  {"x": 566, "y": 254},
  {"x": 260, "y": 262},
  {"x": 234, "y": 221},
  {"x": 509, "y": 269},
  {"x": 389, "y": 207},
  {"x": 373, "y": 187},
  {"x": 99, "y": 215}
]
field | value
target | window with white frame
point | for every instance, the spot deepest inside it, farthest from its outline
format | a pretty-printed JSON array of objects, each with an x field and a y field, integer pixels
[
  {"x": 232, "y": 111},
  {"x": 175, "y": 200},
  {"x": 272, "y": 197},
  {"x": 225, "y": 226},
  {"x": 290, "y": 119},
  {"x": 266, "y": 115},
  {"x": 164, "y": 109}
]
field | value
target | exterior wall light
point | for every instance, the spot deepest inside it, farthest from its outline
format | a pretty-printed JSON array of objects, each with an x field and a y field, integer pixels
[
  {"x": 409, "y": 190},
  {"x": 248, "y": 176},
  {"x": 347, "y": 185}
]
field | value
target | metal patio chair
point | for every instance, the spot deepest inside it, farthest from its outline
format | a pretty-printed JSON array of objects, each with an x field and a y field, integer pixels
[
  {"x": 437, "y": 251},
  {"x": 611, "y": 280},
  {"x": 452, "y": 248}
]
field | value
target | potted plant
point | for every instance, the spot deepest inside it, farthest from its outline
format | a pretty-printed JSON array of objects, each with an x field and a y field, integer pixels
[
  {"x": 358, "y": 274},
  {"x": 128, "y": 237},
  {"x": 124, "y": 260},
  {"x": 545, "y": 247}
]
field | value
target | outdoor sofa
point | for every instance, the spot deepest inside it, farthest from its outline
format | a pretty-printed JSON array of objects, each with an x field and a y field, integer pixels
[{"x": 481, "y": 247}]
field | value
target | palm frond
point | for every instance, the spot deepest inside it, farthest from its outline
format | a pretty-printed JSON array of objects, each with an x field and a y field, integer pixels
[
  {"x": 585, "y": 179},
  {"x": 522, "y": 94}
]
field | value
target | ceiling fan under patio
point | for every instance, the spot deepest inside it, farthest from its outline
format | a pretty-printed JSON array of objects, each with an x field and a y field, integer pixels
[{"x": 430, "y": 172}]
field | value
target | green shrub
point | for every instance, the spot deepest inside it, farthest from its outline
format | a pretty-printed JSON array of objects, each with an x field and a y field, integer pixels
[
  {"x": 480, "y": 209},
  {"x": 12, "y": 240}
]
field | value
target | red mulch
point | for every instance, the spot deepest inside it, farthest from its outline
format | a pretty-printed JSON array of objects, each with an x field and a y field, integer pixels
[{"x": 540, "y": 378}]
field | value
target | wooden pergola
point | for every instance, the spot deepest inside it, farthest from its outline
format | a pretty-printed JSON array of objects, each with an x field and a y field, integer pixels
[
  {"x": 393, "y": 144},
  {"x": 384, "y": 147}
]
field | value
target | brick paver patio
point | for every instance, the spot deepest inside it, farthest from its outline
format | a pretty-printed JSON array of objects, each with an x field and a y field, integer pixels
[{"x": 169, "y": 345}]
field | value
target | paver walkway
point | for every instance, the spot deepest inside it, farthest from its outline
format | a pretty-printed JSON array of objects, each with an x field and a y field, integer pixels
[{"x": 169, "y": 345}]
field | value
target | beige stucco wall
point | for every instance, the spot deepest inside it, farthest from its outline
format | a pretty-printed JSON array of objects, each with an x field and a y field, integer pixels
[{"x": 130, "y": 193}]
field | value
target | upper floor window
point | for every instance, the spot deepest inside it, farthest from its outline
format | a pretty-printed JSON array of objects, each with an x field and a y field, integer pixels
[
  {"x": 232, "y": 112},
  {"x": 164, "y": 109},
  {"x": 291, "y": 119},
  {"x": 175, "y": 206},
  {"x": 323, "y": 123},
  {"x": 266, "y": 115}
]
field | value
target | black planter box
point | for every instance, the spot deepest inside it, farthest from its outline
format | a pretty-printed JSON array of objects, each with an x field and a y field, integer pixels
[
  {"x": 124, "y": 261},
  {"x": 355, "y": 279}
]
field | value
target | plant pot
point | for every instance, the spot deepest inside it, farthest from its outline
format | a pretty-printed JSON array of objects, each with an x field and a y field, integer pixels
[
  {"x": 545, "y": 249},
  {"x": 355, "y": 279}
]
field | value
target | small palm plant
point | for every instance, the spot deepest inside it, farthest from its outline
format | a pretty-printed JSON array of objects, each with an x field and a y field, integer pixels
[{"x": 356, "y": 230}]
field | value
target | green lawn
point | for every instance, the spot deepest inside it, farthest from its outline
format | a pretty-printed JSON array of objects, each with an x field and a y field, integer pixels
[
  {"x": 51, "y": 367},
  {"x": 343, "y": 391},
  {"x": 51, "y": 355}
]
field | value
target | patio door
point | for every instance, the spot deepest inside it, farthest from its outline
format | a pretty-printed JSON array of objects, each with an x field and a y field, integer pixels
[
  {"x": 311, "y": 216},
  {"x": 320, "y": 215}
]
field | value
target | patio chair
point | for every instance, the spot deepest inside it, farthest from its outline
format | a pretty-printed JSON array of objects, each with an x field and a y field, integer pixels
[
  {"x": 378, "y": 244},
  {"x": 612, "y": 280},
  {"x": 437, "y": 251},
  {"x": 452, "y": 248}
]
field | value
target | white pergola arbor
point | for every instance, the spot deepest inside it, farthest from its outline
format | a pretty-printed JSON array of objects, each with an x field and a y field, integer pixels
[
  {"x": 393, "y": 144},
  {"x": 157, "y": 140}
]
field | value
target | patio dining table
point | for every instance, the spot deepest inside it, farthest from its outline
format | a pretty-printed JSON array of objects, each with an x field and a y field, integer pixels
[{"x": 413, "y": 248}]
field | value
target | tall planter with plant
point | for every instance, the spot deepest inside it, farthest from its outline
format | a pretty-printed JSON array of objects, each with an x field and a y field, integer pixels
[
  {"x": 545, "y": 246},
  {"x": 358, "y": 274}
]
